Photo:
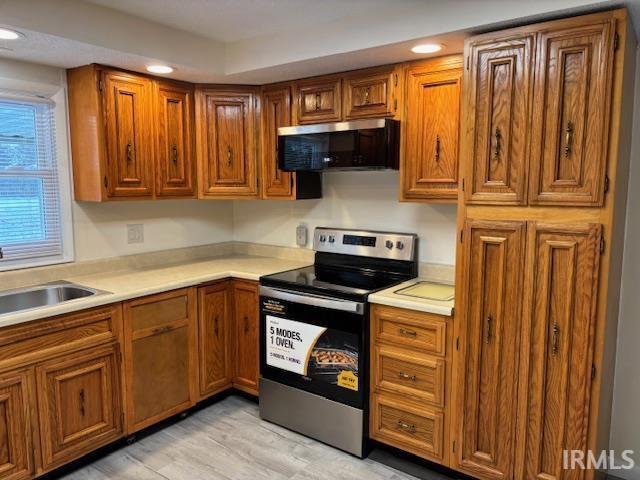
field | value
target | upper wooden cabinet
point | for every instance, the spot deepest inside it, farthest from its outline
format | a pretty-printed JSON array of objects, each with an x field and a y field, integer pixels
[
  {"x": 489, "y": 332},
  {"x": 318, "y": 100},
  {"x": 571, "y": 111},
  {"x": 227, "y": 142},
  {"x": 498, "y": 81},
  {"x": 548, "y": 144},
  {"x": 175, "y": 152},
  {"x": 371, "y": 93},
  {"x": 131, "y": 135},
  {"x": 429, "y": 157},
  {"x": 559, "y": 315}
]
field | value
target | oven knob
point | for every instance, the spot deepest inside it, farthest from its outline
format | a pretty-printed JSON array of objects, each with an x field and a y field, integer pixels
[
  {"x": 399, "y": 245},
  {"x": 389, "y": 244},
  {"x": 323, "y": 238},
  {"x": 332, "y": 239}
]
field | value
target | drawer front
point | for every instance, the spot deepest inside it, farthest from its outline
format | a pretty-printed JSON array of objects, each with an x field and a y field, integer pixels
[
  {"x": 422, "y": 331},
  {"x": 152, "y": 312},
  {"x": 411, "y": 375},
  {"x": 416, "y": 430}
]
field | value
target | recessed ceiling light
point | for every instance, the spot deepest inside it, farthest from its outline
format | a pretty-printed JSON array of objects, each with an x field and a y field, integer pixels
[
  {"x": 6, "y": 34},
  {"x": 427, "y": 48},
  {"x": 159, "y": 69}
]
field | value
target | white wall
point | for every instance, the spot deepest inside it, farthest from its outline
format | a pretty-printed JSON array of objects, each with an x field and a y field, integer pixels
[
  {"x": 625, "y": 422},
  {"x": 367, "y": 200}
]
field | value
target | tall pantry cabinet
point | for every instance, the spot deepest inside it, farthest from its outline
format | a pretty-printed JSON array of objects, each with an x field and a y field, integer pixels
[{"x": 544, "y": 168}]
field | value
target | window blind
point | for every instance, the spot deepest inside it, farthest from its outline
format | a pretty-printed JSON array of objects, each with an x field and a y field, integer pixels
[{"x": 30, "y": 220}]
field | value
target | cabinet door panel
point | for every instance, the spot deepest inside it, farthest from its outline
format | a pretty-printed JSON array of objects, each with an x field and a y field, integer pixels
[
  {"x": 128, "y": 119},
  {"x": 246, "y": 318},
  {"x": 276, "y": 112},
  {"x": 563, "y": 266},
  {"x": 175, "y": 162},
  {"x": 215, "y": 353},
  {"x": 318, "y": 100},
  {"x": 16, "y": 446},
  {"x": 430, "y": 157},
  {"x": 228, "y": 163},
  {"x": 571, "y": 113},
  {"x": 370, "y": 94},
  {"x": 498, "y": 106},
  {"x": 79, "y": 404},
  {"x": 489, "y": 340}
]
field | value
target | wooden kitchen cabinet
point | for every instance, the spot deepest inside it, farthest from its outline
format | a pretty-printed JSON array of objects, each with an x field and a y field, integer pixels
[
  {"x": 559, "y": 315},
  {"x": 227, "y": 142},
  {"x": 17, "y": 397},
  {"x": 175, "y": 162},
  {"x": 317, "y": 100},
  {"x": 374, "y": 92},
  {"x": 160, "y": 357},
  {"x": 571, "y": 111},
  {"x": 488, "y": 334},
  {"x": 498, "y": 84},
  {"x": 80, "y": 404},
  {"x": 246, "y": 331},
  {"x": 214, "y": 335},
  {"x": 429, "y": 157}
]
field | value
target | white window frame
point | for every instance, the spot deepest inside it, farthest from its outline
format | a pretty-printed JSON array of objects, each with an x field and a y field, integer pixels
[{"x": 63, "y": 164}]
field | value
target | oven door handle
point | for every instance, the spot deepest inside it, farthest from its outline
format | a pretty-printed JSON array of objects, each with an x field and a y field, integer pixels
[{"x": 313, "y": 300}]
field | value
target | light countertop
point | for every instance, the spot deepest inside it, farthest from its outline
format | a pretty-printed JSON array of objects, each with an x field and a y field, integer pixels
[
  {"x": 137, "y": 282},
  {"x": 390, "y": 298}
]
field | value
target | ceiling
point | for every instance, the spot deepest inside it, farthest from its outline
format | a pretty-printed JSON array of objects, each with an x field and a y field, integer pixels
[{"x": 258, "y": 41}]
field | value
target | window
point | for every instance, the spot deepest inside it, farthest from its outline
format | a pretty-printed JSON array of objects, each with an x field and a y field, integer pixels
[{"x": 31, "y": 231}]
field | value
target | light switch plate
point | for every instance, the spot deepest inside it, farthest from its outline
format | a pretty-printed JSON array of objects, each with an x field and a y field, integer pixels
[
  {"x": 301, "y": 235},
  {"x": 135, "y": 233}
]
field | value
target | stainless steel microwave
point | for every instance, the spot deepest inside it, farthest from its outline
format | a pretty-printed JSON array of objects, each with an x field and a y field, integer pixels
[{"x": 371, "y": 144}]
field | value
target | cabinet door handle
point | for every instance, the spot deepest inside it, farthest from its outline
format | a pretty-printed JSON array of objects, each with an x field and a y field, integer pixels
[
  {"x": 498, "y": 145},
  {"x": 215, "y": 325},
  {"x": 408, "y": 333},
  {"x": 489, "y": 328},
  {"x": 366, "y": 95},
  {"x": 164, "y": 329},
  {"x": 246, "y": 325},
  {"x": 317, "y": 101},
  {"x": 129, "y": 152},
  {"x": 229, "y": 155},
  {"x": 437, "y": 148},
  {"x": 174, "y": 154},
  {"x": 556, "y": 339},
  {"x": 406, "y": 376},
  {"x": 568, "y": 139},
  {"x": 406, "y": 426},
  {"x": 82, "y": 400}
]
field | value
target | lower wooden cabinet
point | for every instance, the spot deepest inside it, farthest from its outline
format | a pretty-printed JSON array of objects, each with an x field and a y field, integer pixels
[
  {"x": 246, "y": 318},
  {"x": 214, "y": 337},
  {"x": 411, "y": 381},
  {"x": 160, "y": 357},
  {"x": 79, "y": 401},
  {"x": 16, "y": 441}
]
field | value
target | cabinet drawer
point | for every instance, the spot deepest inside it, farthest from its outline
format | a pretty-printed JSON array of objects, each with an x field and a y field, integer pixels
[
  {"x": 158, "y": 310},
  {"x": 416, "y": 430},
  {"x": 410, "y": 374},
  {"x": 423, "y": 331}
]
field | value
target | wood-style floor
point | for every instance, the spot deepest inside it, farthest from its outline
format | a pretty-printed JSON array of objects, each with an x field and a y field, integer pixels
[{"x": 228, "y": 441}]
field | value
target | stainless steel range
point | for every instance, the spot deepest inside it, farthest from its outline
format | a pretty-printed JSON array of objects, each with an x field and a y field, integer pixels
[{"x": 314, "y": 333}]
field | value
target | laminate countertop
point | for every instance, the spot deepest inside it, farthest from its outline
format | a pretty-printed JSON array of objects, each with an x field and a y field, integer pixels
[
  {"x": 392, "y": 298},
  {"x": 137, "y": 282}
]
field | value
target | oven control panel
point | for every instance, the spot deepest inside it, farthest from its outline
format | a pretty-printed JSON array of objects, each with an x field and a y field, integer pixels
[{"x": 395, "y": 246}]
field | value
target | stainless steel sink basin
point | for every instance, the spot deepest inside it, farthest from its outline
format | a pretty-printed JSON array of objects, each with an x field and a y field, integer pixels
[{"x": 43, "y": 295}]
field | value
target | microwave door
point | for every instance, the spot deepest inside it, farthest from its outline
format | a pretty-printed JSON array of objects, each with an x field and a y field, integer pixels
[{"x": 303, "y": 152}]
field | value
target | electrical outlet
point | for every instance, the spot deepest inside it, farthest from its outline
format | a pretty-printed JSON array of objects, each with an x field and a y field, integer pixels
[
  {"x": 135, "y": 233},
  {"x": 301, "y": 235}
]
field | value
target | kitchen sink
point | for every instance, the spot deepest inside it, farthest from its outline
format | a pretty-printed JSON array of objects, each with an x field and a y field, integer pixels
[{"x": 43, "y": 295}]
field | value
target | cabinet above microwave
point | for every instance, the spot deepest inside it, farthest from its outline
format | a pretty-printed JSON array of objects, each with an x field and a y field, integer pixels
[{"x": 357, "y": 145}]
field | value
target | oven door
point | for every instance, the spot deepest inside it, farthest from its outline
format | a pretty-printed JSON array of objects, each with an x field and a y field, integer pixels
[{"x": 314, "y": 343}]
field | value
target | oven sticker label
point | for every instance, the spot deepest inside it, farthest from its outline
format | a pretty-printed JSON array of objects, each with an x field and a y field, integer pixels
[
  {"x": 290, "y": 343},
  {"x": 348, "y": 379}
]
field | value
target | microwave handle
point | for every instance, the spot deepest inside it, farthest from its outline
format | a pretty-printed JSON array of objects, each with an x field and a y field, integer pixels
[{"x": 313, "y": 300}]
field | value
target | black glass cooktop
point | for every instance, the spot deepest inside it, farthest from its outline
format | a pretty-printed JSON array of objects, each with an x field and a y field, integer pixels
[{"x": 333, "y": 281}]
